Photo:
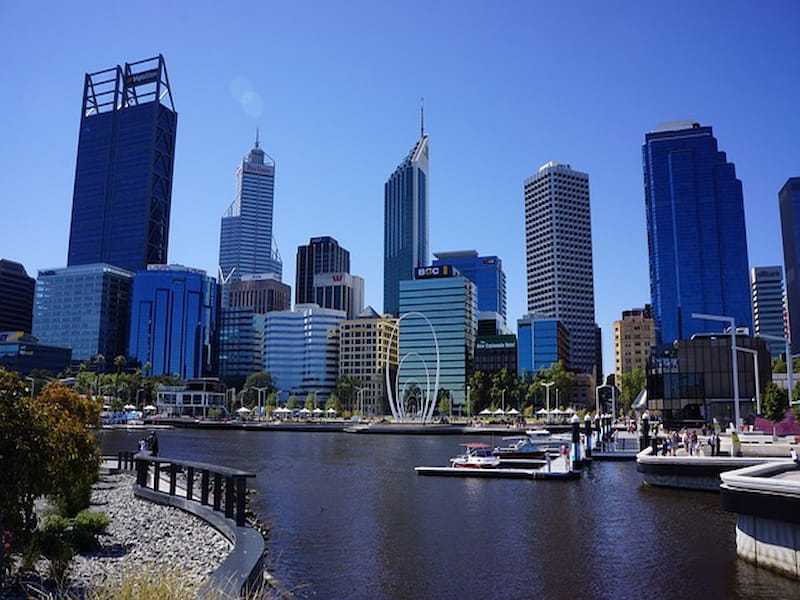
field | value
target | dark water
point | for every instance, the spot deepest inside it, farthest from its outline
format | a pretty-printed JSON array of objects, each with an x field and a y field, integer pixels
[{"x": 349, "y": 518}]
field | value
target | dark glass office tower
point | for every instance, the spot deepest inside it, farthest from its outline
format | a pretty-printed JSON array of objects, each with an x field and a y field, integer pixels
[
  {"x": 123, "y": 175},
  {"x": 486, "y": 272},
  {"x": 789, "y": 203},
  {"x": 405, "y": 229},
  {"x": 16, "y": 297},
  {"x": 320, "y": 255},
  {"x": 695, "y": 232}
]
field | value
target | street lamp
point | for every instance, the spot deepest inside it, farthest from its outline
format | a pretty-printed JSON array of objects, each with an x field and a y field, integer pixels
[
  {"x": 33, "y": 384},
  {"x": 503, "y": 401},
  {"x": 755, "y": 366},
  {"x": 547, "y": 396},
  {"x": 260, "y": 390},
  {"x": 734, "y": 361},
  {"x": 789, "y": 357}
]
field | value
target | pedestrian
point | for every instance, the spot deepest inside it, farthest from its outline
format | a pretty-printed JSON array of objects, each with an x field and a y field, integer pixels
[
  {"x": 153, "y": 443},
  {"x": 712, "y": 441}
]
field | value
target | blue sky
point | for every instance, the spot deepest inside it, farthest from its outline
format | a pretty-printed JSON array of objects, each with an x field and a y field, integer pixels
[{"x": 335, "y": 86}]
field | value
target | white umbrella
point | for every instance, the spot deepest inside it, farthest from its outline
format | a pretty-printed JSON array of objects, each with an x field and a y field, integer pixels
[
  {"x": 282, "y": 409},
  {"x": 485, "y": 411},
  {"x": 513, "y": 411},
  {"x": 318, "y": 411},
  {"x": 556, "y": 411},
  {"x": 129, "y": 407},
  {"x": 569, "y": 411},
  {"x": 331, "y": 411},
  {"x": 305, "y": 411},
  {"x": 541, "y": 411},
  {"x": 499, "y": 411},
  {"x": 243, "y": 410},
  {"x": 150, "y": 407}
]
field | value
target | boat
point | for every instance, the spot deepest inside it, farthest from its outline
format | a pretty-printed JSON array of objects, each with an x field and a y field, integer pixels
[
  {"x": 476, "y": 455},
  {"x": 535, "y": 444}
]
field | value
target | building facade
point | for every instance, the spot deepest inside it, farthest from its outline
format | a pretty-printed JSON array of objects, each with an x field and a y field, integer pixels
[
  {"x": 690, "y": 380},
  {"x": 16, "y": 297},
  {"x": 199, "y": 398},
  {"x": 449, "y": 302},
  {"x": 405, "y": 225},
  {"x": 123, "y": 174},
  {"x": 174, "y": 321},
  {"x": 20, "y": 351},
  {"x": 789, "y": 203},
  {"x": 85, "y": 308},
  {"x": 695, "y": 232},
  {"x": 321, "y": 255},
  {"x": 494, "y": 353},
  {"x": 558, "y": 242},
  {"x": 246, "y": 243},
  {"x": 542, "y": 342},
  {"x": 769, "y": 305},
  {"x": 486, "y": 272},
  {"x": 366, "y": 345},
  {"x": 634, "y": 336},
  {"x": 340, "y": 291},
  {"x": 301, "y": 348},
  {"x": 263, "y": 293}
]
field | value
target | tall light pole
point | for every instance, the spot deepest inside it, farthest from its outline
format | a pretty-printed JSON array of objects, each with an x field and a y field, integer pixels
[
  {"x": 547, "y": 397},
  {"x": 260, "y": 390},
  {"x": 754, "y": 353},
  {"x": 734, "y": 362},
  {"x": 789, "y": 357},
  {"x": 503, "y": 400}
]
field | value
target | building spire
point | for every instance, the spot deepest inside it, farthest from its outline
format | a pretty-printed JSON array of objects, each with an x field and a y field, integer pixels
[
  {"x": 256, "y": 137},
  {"x": 421, "y": 116}
]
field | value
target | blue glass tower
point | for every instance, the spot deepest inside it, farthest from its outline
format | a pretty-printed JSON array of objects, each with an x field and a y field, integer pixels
[
  {"x": 695, "y": 232},
  {"x": 486, "y": 272},
  {"x": 789, "y": 202},
  {"x": 123, "y": 175},
  {"x": 405, "y": 228},
  {"x": 174, "y": 321}
]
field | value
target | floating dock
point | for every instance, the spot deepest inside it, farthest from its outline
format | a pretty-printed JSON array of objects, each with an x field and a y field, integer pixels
[{"x": 558, "y": 470}]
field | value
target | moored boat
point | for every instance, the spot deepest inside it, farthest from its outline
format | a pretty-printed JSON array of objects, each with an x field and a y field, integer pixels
[
  {"x": 476, "y": 455},
  {"x": 536, "y": 444}
]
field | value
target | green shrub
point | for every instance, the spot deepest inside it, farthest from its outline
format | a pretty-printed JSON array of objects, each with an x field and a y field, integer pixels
[
  {"x": 75, "y": 499},
  {"x": 85, "y": 529},
  {"x": 51, "y": 537}
]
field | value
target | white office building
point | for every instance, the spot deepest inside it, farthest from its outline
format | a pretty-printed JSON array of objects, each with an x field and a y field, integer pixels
[{"x": 769, "y": 308}]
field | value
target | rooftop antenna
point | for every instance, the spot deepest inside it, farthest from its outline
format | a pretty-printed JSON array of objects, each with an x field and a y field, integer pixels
[
  {"x": 256, "y": 137},
  {"x": 421, "y": 116}
]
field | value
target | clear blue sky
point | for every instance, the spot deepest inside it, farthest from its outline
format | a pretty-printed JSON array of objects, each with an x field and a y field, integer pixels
[{"x": 334, "y": 88}]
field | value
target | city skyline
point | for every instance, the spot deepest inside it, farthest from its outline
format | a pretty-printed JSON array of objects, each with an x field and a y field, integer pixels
[{"x": 608, "y": 83}]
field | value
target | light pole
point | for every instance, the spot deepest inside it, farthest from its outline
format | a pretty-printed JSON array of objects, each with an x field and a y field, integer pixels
[
  {"x": 261, "y": 390},
  {"x": 503, "y": 400},
  {"x": 789, "y": 357},
  {"x": 33, "y": 384},
  {"x": 754, "y": 353},
  {"x": 547, "y": 397},
  {"x": 734, "y": 361}
]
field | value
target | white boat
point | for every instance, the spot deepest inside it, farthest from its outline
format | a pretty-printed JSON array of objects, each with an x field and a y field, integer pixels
[{"x": 475, "y": 456}]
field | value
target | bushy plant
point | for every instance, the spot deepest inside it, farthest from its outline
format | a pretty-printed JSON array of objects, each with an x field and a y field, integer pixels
[
  {"x": 88, "y": 524},
  {"x": 74, "y": 499}
]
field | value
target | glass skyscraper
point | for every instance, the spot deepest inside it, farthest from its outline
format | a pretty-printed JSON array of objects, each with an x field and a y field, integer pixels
[
  {"x": 174, "y": 321},
  {"x": 789, "y": 202},
  {"x": 246, "y": 244},
  {"x": 695, "y": 232},
  {"x": 405, "y": 226},
  {"x": 542, "y": 342},
  {"x": 123, "y": 174},
  {"x": 486, "y": 272},
  {"x": 86, "y": 308},
  {"x": 16, "y": 297},
  {"x": 558, "y": 242},
  {"x": 320, "y": 255}
]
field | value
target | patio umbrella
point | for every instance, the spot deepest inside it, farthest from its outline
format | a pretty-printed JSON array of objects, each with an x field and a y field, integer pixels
[
  {"x": 150, "y": 407},
  {"x": 129, "y": 407},
  {"x": 541, "y": 411},
  {"x": 331, "y": 411},
  {"x": 318, "y": 411},
  {"x": 513, "y": 411},
  {"x": 499, "y": 411},
  {"x": 305, "y": 411},
  {"x": 243, "y": 410},
  {"x": 485, "y": 411}
]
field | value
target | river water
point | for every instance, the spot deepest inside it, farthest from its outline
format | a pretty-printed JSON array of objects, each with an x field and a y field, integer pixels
[{"x": 350, "y": 519}]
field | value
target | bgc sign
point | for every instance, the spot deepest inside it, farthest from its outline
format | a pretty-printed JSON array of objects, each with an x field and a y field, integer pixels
[{"x": 432, "y": 272}]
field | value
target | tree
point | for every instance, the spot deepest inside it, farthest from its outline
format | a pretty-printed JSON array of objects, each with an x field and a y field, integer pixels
[
  {"x": 774, "y": 402},
  {"x": 292, "y": 403},
  {"x": 443, "y": 405},
  {"x": 45, "y": 450},
  {"x": 631, "y": 384},
  {"x": 261, "y": 379},
  {"x": 479, "y": 384},
  {"x": 334, "y": 403},
  {"x": 311, "y": 401}
]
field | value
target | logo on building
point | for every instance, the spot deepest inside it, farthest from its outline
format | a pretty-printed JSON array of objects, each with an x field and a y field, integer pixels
[
  {"x": 141, "y": 78},
  {"x": 431, "y": 272}
]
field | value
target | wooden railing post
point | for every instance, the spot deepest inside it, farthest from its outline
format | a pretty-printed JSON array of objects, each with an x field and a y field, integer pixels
[
  {"x": 204, "y": 487},
  {"x": 241, "y": 489},
  {"x": 189, "y": 482},
  {"x": 229, "y": 491},
  {"x": 217, "y": 491}
]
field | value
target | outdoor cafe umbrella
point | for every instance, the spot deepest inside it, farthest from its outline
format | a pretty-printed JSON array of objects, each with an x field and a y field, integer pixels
[
  {"x": 331, "y": 411},
  {"x": 150, "y": 407},
  {"x": 513, "y": 411},
  {"x": 485, "y": 411},
  {"x": 318, "y": 411},
  {"x": 243, "y": 410},
  {"x": 129, "y": 407},
  {"x": 541, "y": 411},
  {"x": 499, "y": 411},
  {"x": 282, "y": 410}
]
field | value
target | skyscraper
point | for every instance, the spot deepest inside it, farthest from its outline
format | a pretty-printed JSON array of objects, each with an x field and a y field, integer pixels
[
  {"x": 405, "y": 225},
  {"x": 695, "y": 232},
  {"x": 123, "y": 174},
  {"x": 246, "y": 244},
  {"x": 789, "y": 202},
  {"x": 16, "y": 297},
  {"x": 486, "y": 272},
  {"x": 320, "y": 255},
  {"x": 769, "y": 309},
  {"x": 634, "y": 336},
  {"x": 558, "y": 241}
]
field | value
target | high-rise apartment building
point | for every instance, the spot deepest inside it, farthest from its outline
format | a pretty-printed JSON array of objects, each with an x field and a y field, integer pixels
[
  {"x": 448, "y": 301},
  {"x": 769, "y": 309},
  {"x": 366, "y": 344},
  {"x": 246, "y": 245},
  {"x": 86, "y": 308},
  {"x": 405, "y": 225},
  {"x": 486, "y": 272},
  {"x": 634, "y": 336},
  {"x": 174, "y": 321},
  {"x": 16, "y": 297},
  {"x": 789, "y": 203},
  {"x": 695, "y": 232},
  {"x": 123, "y": 174},
  {"x": 558, "y": 242}
]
